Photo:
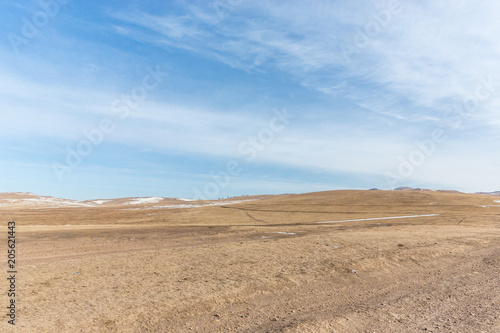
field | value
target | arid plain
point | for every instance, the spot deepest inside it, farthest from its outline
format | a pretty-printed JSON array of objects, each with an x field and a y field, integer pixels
[{"x": 257, "y": 264}]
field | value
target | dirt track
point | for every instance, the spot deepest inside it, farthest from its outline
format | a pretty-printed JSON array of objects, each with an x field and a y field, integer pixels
[{"x": 264, "y": 266}]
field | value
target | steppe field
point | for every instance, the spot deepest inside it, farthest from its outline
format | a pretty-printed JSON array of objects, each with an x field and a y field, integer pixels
[{"x": 256, "y": 264}]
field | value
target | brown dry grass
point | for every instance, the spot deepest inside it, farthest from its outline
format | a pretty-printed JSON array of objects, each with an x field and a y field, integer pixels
[{"x": 225, "y": 268}]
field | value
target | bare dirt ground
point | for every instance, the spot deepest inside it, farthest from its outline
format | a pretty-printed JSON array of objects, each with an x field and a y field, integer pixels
[{"x": 264, "y": 265}]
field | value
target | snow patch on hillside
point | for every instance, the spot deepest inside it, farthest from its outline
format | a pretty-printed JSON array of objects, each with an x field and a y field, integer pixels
[
  {"x": 45, "y": 202},
  {"x": 100, "y": 202},
  {"x": 143, "y": 201},
  {"x": 380, "y": 218}
]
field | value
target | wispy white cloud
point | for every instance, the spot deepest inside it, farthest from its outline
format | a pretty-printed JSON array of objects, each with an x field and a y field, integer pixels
[{"x": 429, "y": 54}]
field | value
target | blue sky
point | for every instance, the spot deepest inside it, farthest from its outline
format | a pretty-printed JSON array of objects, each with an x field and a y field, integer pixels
[{"x": 296, "y": 96}]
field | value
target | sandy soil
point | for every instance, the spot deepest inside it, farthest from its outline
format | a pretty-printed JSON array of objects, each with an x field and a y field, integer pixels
[{"x": 265, "y": 265}]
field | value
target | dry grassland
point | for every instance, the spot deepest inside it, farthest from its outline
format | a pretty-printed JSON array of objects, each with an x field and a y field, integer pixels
[{"x": 261, "y": 266}]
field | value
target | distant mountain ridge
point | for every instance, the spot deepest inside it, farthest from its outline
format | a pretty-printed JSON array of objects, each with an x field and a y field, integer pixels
[
  {"x": 26, "y": 200},
  {"x": 490, "y": 193},
  {"x": 408, "y": 188},
  {"x": 418, "y": 189}
]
